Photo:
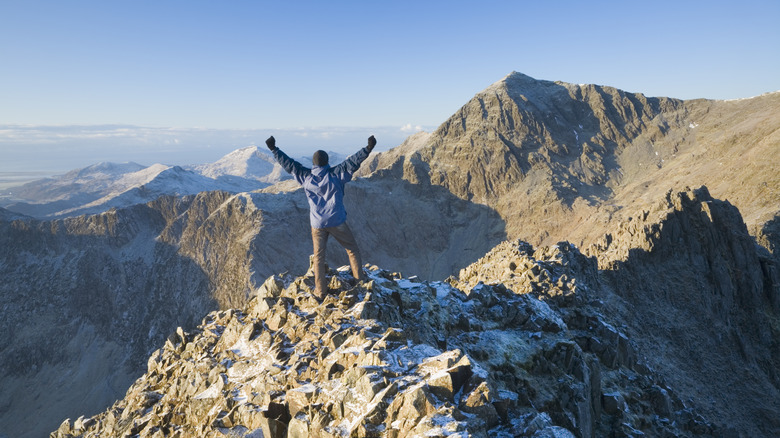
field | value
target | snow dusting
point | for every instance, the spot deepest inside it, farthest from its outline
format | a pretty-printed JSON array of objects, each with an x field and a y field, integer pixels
[{"x": 97, "y": 188}]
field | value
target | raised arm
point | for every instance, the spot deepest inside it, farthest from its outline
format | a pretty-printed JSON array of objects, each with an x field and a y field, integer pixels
[
  {"x": 296, "y": 169},
  {"x": 352, "y": 164}
]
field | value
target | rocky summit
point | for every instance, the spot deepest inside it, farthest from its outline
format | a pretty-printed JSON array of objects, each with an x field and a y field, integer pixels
[{"x": 396, "y": 357}]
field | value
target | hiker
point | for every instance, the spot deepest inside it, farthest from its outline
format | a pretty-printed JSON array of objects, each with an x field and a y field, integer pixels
[{"x": 324, "y": 187}]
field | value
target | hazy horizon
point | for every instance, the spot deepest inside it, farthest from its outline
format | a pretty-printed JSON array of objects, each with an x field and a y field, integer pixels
[
  {"x": 93, "y": 81},
  {"x": 50, "y": 150}
]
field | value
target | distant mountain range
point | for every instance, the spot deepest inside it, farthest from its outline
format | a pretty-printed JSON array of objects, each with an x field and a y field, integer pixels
[{"x": 97, "y": 188}]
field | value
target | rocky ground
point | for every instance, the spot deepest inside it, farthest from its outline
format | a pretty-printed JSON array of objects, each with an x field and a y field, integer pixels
[{"x": 396, "y": 356}]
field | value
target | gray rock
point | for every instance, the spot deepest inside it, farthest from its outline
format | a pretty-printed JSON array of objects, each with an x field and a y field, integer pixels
[{"x": 613, "y": 403}]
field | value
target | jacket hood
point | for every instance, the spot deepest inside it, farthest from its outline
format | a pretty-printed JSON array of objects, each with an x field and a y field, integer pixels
[{"x": 319, "y": 170}]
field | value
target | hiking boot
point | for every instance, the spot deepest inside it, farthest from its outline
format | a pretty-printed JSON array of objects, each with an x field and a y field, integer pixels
[{"x": 319, "y": 298}]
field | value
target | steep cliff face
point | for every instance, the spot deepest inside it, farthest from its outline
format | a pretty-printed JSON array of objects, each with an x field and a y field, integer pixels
[{"x": 768, "y": 236}]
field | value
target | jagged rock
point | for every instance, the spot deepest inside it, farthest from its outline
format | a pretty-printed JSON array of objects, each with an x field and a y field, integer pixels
[
  {"x": 692, "y": 286},
  {"x": 391, "y": 357},
  {"x": 480, "y": 402},
  {"x": 613, "y": 403},
  {"x": 272, "y": 288}
]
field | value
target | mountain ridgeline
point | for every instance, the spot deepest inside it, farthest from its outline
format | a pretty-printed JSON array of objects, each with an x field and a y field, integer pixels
[
  {"x": 560, "y": 161},
  {"x": 662, "y": 316}
]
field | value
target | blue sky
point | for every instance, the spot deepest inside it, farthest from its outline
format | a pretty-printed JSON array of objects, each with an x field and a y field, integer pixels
[{"x": 241, "y": 69}]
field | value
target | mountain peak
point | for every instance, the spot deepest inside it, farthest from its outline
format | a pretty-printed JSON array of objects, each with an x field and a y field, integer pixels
[
  {"x": 514, "y": 80},
  {"x": 102, "y": 170},
  {"x": 241, "y": 153},
  {"x": 517, "y": 77},
  {"x": 249, "y": 162}
]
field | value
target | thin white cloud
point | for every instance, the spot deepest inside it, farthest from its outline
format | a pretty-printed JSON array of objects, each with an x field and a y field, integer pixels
[{"x": 63, "y": 148}]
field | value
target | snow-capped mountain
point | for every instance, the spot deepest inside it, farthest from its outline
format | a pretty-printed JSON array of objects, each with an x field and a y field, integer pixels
[
  {"x": 80, "y": 182},
  {"x": 246, "y": 163},
  {"x": 101, "y": 186},
  {"x": 333, "y": 157},
  {"x": 148, "y": 184},
  {"x": 252, "y": 163}
]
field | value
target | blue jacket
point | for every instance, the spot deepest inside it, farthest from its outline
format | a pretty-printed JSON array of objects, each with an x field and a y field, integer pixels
[{"x": 324, "y": 186}]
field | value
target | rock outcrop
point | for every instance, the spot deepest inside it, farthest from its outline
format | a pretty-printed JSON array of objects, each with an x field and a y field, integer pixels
[
  {"x": 695, "y": 289},
  {"x": 554, "y": 340},
  {"x": 396, "y": 357}
]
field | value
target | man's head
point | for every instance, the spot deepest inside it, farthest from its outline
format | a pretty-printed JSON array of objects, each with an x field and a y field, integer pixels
[{"x": 320, "y": 158}]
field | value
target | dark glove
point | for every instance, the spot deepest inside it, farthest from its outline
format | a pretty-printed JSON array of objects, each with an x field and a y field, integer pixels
[
  {"x": 271, "y": 143},
  {"x": 371, "y": 143}
]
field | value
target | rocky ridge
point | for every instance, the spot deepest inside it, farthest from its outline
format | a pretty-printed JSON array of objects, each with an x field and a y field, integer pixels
[
  {"x": 696, "y": 289},
  {"x": 399, "y": 357}
]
